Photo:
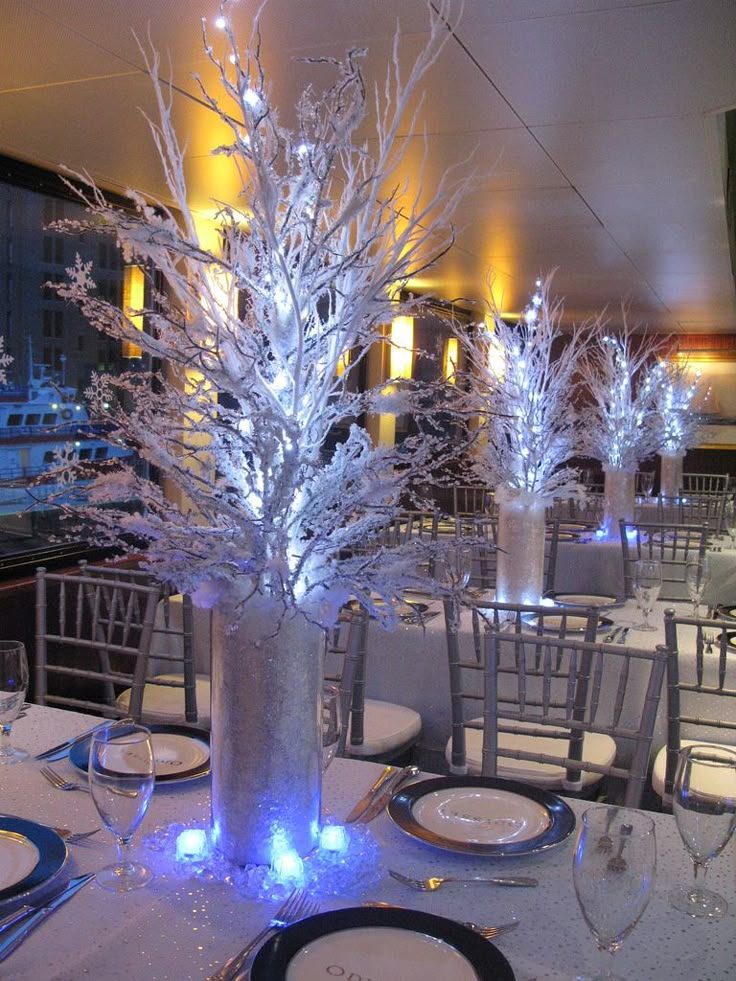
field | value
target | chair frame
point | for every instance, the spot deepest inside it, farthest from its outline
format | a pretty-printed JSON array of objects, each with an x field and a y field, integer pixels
[
  {"x": 708, "y": 665},
  {"x": 711, "y": 483},
  {"x": 186, "y": 658},
  {"x": 576, "y": 714},
  {"x": 672, "y": 544},
  {"x": 98, "y": 616}
]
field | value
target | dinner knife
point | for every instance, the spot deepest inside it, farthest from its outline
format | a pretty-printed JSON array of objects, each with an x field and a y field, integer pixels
[
  {"x": 365, "y": 801},
  {"x": 385, "y": 794},
  {"x": 15, "y": 935},
  {"x": 61, "y": 749}
]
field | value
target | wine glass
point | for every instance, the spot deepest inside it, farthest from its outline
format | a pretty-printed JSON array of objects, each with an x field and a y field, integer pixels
[
  {"x": 613, "y": 873},
  {"x": 331, "y": 723},
  {"x": 121, "y": 779},
  {"x": 697, "y": 578},
  {"x": 13, "y": 686},
  {"x": 646, "y": 582},
  {"x": 704, "y": 805},
  {"x": 729, "y": 517},
  {"x": 454, "y": 566}
]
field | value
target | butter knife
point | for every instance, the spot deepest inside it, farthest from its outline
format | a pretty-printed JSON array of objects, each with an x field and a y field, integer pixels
[
  {"x": 369, "y": 795},
  {"x": 61, "y": 749},
  {"x": 385, "y": 794},
  {"x": 15, "y": 935}
]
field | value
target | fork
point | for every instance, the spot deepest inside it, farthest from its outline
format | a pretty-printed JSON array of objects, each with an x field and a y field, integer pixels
[
  {"x": 75, "y": 837},
  {"x": 298, "y": 906},
  {"x": 487, "y": 932},
  {"x": 709, "y": 640},
  {"x": 56, "y": 780},
  {"x": 433, "y": 883}
]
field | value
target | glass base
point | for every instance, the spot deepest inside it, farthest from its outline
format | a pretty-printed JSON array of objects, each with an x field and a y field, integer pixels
[
  {"x": 13, "y": 755},
  {"x": 643, "y": 626},
  {"x": 702, "y": 903},
  {"x": 599, "y": 977},
  {"x": 123, "y": 878}
]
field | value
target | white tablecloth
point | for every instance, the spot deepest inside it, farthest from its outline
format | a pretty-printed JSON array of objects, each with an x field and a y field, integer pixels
[{"x": 176, "y": 930}]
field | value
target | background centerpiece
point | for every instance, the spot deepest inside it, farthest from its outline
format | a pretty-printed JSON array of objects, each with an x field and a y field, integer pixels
[
  {"x": 675, "y": 390},
  {"x": 520, "y": 386},
  {"x": 620, "y": 426},
  {"x": 247, "y": 402}
]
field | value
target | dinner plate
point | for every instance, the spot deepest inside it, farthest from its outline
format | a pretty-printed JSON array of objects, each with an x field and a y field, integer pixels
[
  {"x": 731, "y": 639},
  {"x": 31, "y": 856},
  {"x": 727, "y": 612},
  {"x": 585, "y": 599},
  {"x": 573, "y": 624},
  {"x": 180, "y": 753},
  {"x": 363, "y": 942},
  {"x": 482, "y": 815}
]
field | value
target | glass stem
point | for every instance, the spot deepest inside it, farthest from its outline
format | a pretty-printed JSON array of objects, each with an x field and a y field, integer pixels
[
  {"x": 5, "y": 739},
  {"x": 123, "y": 846},
  {"x": 698, "y": 886}
]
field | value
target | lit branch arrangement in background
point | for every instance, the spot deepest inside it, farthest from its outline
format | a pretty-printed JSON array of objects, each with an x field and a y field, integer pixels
[
  {"x": 255, "y": 337},
  {"x": 521, "y": 384},
  {"x": 621, "y": 426}
]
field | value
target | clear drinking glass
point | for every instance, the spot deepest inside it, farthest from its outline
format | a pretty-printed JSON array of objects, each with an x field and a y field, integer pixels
[
  {"x": 614, "y": 866},
  {"x": 121, "y": 779},
  {"x": 697, "y": 577},
  {"x": 13, "y": 687},
  {"x": 704, "y": 805},
  {"x": 729, "y": 518},
  {"x": 331, "y": 723},
  {"x": 454, "y": 566},
  {"x": 646, "y": 582}
]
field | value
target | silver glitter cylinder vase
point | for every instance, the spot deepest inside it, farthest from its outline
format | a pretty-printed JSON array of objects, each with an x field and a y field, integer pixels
[
  {"x": 619, "y": 499},
  {"x": 670, "y": 474},
  {"x": 266, "y": 731},
  {"x": 520, "y": 540}
]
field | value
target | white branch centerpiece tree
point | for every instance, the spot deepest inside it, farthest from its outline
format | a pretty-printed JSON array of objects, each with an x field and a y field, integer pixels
[
  {"x": 520, "y": 385},
  {"x": 253, "y": 340},
  {"x": 675, "y": 389},
  {"x": 619, "y": 427}
]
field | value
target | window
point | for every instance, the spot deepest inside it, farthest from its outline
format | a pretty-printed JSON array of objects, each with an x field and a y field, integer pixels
[{"x": 55, "y": 351}]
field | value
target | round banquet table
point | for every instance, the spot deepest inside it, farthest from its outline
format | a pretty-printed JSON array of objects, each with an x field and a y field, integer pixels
[{"x": 179, "y": 929}]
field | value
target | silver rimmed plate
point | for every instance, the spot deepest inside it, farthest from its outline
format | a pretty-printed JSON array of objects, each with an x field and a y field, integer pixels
[
  {"x": 727, "y": 612},
  {"x": 361, "y": 942},
  {"x": 553, "y": 623},
  {"x": 180, "y": 753},
  {"x": 586, "y": 599},
  {"x": 31, "y": 856},
  {"x": 482, "y": 815}
]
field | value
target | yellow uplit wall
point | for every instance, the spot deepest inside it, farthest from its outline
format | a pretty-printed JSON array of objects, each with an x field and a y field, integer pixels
[
  {"x": 402, "y": 347},
  {"x": 133, "y": 299},
  {"x": 450, "y": 359}
]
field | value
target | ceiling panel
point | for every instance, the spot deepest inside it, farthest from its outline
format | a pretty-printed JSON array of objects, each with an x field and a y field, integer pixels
[{"x": 589, "y": 125}]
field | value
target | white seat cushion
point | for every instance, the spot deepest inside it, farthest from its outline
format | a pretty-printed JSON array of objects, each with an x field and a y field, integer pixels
[
  {"x": 164, "y": 705},
  {"x": 660, "y": 761},
  {"x": 386, "y": 727},
  {"x": 597, "y": 748}
]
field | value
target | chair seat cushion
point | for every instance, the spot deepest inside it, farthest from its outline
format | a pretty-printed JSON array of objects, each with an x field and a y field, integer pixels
[
  {"x": 163, "y": 704},
  {"x": 386, "y": 727},
  {"x": 597, "y": 748},
  {"x": 660, "y": 761}
]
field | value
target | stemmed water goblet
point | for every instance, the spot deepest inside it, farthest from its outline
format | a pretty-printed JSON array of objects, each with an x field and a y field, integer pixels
[
  {"x": 331, "y": 723},
  {"x": 704, "y": 805},
  {"x": 646, "y": 582},
  {"x": 697, "y": 578},
  {"x": 121, "y": 779},
  {"x": 614, "y": 867},
  {"x": 729, "y": 519},
  {"x": 454, "y": 566},
  {"x": 13, "y": 686}
]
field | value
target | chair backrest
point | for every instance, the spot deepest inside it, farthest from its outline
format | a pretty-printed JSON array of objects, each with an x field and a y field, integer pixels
[
  {"x": 172, "y": 638},
  {"x": 709, "y": 483},
  {"x": 472, "y": 499},
  {"x": 98, "y": 632},
  {"x": 551, "y": 542},
  {"x": 694, "y": 508},
  {"x": 469, "y": 621},
  {"x": 672, "y": 544},
  {"x": 556, "y": 687},
  {"x": 587, "y": 509},
  {"x": 345, "y": 654},
  {"x": 701, "y": 684}
]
